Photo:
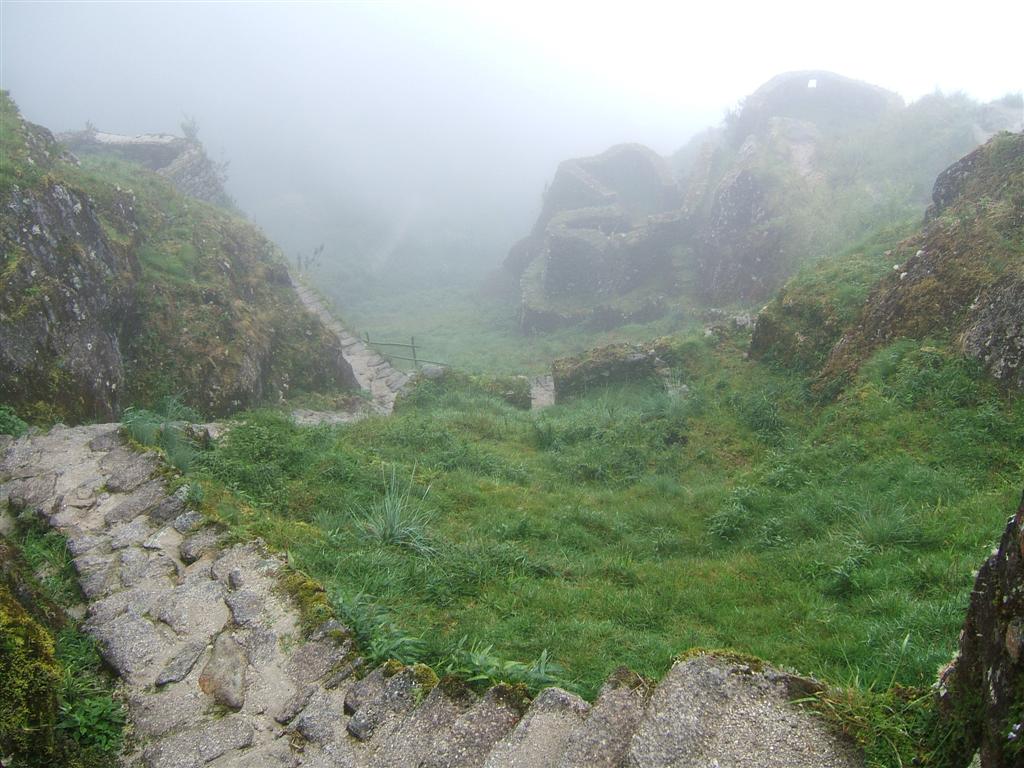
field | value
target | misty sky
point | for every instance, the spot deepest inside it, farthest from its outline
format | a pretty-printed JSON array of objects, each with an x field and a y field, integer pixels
[{"x": 457, "y": 114}]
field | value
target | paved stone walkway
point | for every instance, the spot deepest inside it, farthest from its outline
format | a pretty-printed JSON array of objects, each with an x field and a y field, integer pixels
[
  {"x": 542, "y": 391},
  {"x": 216, "y": 672},
  {"x": 375, "y": 374}
]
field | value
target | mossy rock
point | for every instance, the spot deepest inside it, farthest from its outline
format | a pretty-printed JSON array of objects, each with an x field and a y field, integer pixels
[
  {"x": 29, "y": 680},
  {"x": 310, "y": 599},
  {"x": 599, "y": 367}
]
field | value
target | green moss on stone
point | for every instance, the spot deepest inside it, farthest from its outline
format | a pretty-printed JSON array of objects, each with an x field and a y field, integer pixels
[
  {"x": 29, "y": 680},
  {"x": 310, "y": 599}
]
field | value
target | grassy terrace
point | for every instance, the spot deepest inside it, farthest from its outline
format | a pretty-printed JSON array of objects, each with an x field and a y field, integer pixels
[{"x": 631, "y": 525}]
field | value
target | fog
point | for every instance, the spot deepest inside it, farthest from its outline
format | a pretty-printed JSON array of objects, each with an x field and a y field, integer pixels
[{"x": 369, "y": 125}]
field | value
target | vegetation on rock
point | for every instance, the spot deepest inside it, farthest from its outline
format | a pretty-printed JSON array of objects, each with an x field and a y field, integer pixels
[{"x": 117, "y": 290}]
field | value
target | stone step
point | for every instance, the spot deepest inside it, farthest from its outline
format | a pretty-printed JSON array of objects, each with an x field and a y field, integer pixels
[
  {"x": 429, "y": 724},
  {"x": 720, "y": 711},
  {"x": 366, "y": 689},
  {"x": 475, "y": 732},
  {"x": 602, "y": 740},
  {"x": 402, "y": 689},
  {"x": 539, "y": 740}
]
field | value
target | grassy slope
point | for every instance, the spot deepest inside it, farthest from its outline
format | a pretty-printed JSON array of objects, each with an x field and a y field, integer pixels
[
  {"x": 630, "y": 526},
  {"x": 458, "y": 326}
]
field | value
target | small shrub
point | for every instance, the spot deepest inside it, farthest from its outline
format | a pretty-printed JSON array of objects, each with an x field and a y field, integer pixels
[
  {"x": 94, "y": 722},
  {"x": 10, "y": 424}
]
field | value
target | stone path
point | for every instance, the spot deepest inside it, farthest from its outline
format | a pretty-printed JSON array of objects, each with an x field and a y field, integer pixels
[
  {"x": 375, "y": 374},
  {"x": 215, "y": 670},
  {"x": 542, "y": 392}
]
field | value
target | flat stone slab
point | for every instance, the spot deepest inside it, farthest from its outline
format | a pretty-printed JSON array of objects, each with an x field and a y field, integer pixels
[
  {"x": 223, "y": 677},
  {"x": 129, "y": 643},
  {"x": 710, "y": 711},
  {"x": 179, "y": 666},
  {"x": 199, "y": 746}
]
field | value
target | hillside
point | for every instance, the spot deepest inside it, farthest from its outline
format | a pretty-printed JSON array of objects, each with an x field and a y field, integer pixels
[
  {"x": 810, "y": 162},
  {"x": 957, "y": 282},
  {"x": 814, "y": 490},
  {"x": 115, "y": 289}
]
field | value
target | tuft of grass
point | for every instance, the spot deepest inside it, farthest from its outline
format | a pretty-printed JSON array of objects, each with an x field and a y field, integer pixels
[
  {"x": 397, "y": 518},
  {"x": 164, "y": 428}
]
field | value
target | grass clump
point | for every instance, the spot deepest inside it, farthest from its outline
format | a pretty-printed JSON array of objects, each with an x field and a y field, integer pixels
[
  {"x": 164, "y": 427},
  {"x": 397, "y": 518}
]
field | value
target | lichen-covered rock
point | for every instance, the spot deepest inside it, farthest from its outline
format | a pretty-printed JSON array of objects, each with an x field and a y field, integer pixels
[
  {"x": 995, "y": 332},
  {"x": 66, "y": 296},
  {"x": 981, "y": 694},
  {"x": 961, "y": 277}
]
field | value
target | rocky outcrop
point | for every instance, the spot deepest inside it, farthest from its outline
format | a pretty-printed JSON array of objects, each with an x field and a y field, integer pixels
[
  {"x": 220, "y": 668},
  {"x": 961, "y": 276},
  {"x": 981, "y": 693},
  {"x": 805, "y": 167},
  {"x": 825, "y": 99},
  {"x": 110, "y": 296},
  {"x": 606, "y": 228},
  {"x": 181, "y": 160}
]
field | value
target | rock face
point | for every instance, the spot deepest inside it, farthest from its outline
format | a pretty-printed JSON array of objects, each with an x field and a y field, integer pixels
[
  {"x": 110, "y": 297},
  {"x": 182, "y": 161},
  {"x": 995, "y": 333},
  {"x": 66, "y": 298},
  {"x": 982, "y": 691}
]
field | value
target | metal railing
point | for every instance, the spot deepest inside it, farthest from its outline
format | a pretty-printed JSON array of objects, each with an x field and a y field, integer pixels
[{"x": 415, "y": 359}]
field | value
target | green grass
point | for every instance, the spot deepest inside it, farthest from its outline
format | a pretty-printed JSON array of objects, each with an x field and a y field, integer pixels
[
  {"x": 88, "y": 731},
  {"x": 631, "y": 525},
  {"x": 460, "y": 326}
]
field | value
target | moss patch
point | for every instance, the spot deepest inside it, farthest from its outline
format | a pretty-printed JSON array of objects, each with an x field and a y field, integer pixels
[{"x": 29, "y": 680}]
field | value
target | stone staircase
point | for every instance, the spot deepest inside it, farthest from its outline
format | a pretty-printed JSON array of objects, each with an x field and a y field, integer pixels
[
  {"x": 216, "y": 671},
  {"x": 374, "y": 373}
]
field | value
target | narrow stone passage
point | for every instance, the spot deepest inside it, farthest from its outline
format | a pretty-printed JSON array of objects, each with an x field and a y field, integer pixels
[{"x": 374, "y": 373}]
